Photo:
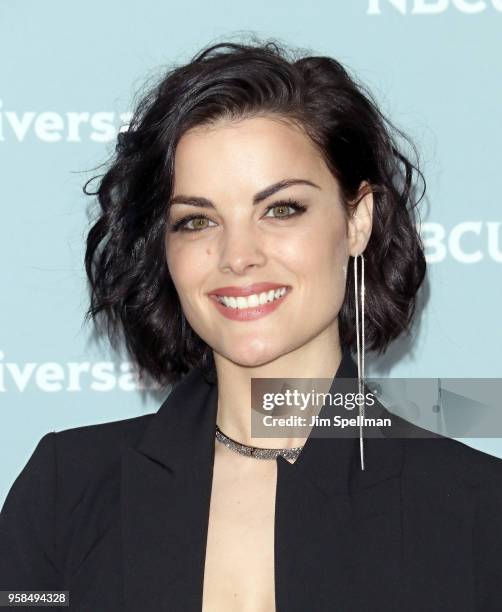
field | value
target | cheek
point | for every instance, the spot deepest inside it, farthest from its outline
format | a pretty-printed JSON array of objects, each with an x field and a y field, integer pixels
[
  {"x": 186, "y": 264},
  {"x": 179, "y": 262},
  {"x": 320, "y": 252}
]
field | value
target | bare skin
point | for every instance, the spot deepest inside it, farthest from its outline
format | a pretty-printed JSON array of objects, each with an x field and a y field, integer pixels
[
  {"x": 239, "y": 573},
  {"x": 238, "y": 244}
]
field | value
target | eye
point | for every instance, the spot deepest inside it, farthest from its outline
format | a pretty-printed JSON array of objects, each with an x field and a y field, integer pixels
[
  {"x": 182, "y": 224},
  {"x": 201, "y": 222},
  {"x": 283, "y": 206}
]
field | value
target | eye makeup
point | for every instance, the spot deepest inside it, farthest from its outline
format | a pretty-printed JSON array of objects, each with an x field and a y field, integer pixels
[{"x": 181, "y": 224}]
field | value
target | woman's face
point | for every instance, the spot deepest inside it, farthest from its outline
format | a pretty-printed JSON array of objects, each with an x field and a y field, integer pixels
[{"x": 244, "y": 235}]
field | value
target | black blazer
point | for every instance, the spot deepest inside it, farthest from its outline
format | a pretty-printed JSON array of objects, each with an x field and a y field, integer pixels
[{"x": 117, "y": 514}]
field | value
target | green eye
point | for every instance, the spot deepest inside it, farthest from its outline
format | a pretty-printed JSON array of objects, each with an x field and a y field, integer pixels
[
  {"x": 281, "y": 207},
  {"x": 201, "y": 222}
]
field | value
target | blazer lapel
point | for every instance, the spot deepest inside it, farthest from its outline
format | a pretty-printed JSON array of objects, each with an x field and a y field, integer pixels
[{"x": 165, "y": 496}]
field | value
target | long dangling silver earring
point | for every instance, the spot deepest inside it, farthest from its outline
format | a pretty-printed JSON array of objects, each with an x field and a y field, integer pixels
[{"x": 360, "y": 350}]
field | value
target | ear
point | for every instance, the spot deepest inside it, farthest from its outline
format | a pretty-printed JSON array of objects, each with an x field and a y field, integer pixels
[{"x": 361, "y": 220}]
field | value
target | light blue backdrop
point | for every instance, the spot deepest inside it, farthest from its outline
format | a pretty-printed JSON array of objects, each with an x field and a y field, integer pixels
[{"x": 435, "y": 67}]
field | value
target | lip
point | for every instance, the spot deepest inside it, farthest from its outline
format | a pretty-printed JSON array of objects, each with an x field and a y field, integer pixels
[
  {"x": 233, "y": 291},
  {"x": 253, "y": 313}
]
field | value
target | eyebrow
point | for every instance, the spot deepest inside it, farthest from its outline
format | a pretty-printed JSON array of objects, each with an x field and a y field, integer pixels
[{"x": 257, "y": 198}]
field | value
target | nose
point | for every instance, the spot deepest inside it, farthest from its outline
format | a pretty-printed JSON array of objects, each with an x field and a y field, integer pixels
[{"x": 240, "y": 250}]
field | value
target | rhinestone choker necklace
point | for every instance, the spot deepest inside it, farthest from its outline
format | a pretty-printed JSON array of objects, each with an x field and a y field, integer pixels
[{"x": 255, "y": 451}]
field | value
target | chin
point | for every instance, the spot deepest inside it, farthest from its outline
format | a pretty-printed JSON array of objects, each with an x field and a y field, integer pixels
[{"x": 252, "y": 354}]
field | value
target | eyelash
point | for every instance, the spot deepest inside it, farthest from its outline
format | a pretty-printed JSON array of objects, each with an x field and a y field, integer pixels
[{"x": 296, "y": 206}]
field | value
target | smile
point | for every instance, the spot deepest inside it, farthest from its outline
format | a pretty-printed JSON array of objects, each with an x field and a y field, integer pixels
[
  {"x": 254, "y": 306},
  {"x": 252, "y": 300}
]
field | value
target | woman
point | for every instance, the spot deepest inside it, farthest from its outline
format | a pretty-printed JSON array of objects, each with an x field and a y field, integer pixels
[{"x": 244, "y": 191}]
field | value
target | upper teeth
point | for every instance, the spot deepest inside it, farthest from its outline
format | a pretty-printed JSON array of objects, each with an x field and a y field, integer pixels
[{"x": 252, "y": 300}]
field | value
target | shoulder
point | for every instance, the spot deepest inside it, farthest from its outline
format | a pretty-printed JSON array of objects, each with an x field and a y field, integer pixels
[
  {"x": 445, "y": 459},
  {"x": 93, "y": 452},
  {"x": 465, "y": 483},
  {"x": 77, "y": 452},
  {"x": 438, "y": 459},
  {"x": 100, "y": 441},
  {"x": 71, "y": 460}
]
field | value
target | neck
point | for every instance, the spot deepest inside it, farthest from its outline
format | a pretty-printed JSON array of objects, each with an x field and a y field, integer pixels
[{"x": 319, "y": 358}]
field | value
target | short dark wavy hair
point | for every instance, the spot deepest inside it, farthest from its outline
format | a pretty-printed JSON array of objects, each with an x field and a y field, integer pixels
[{"x": 130, "y": 285}]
